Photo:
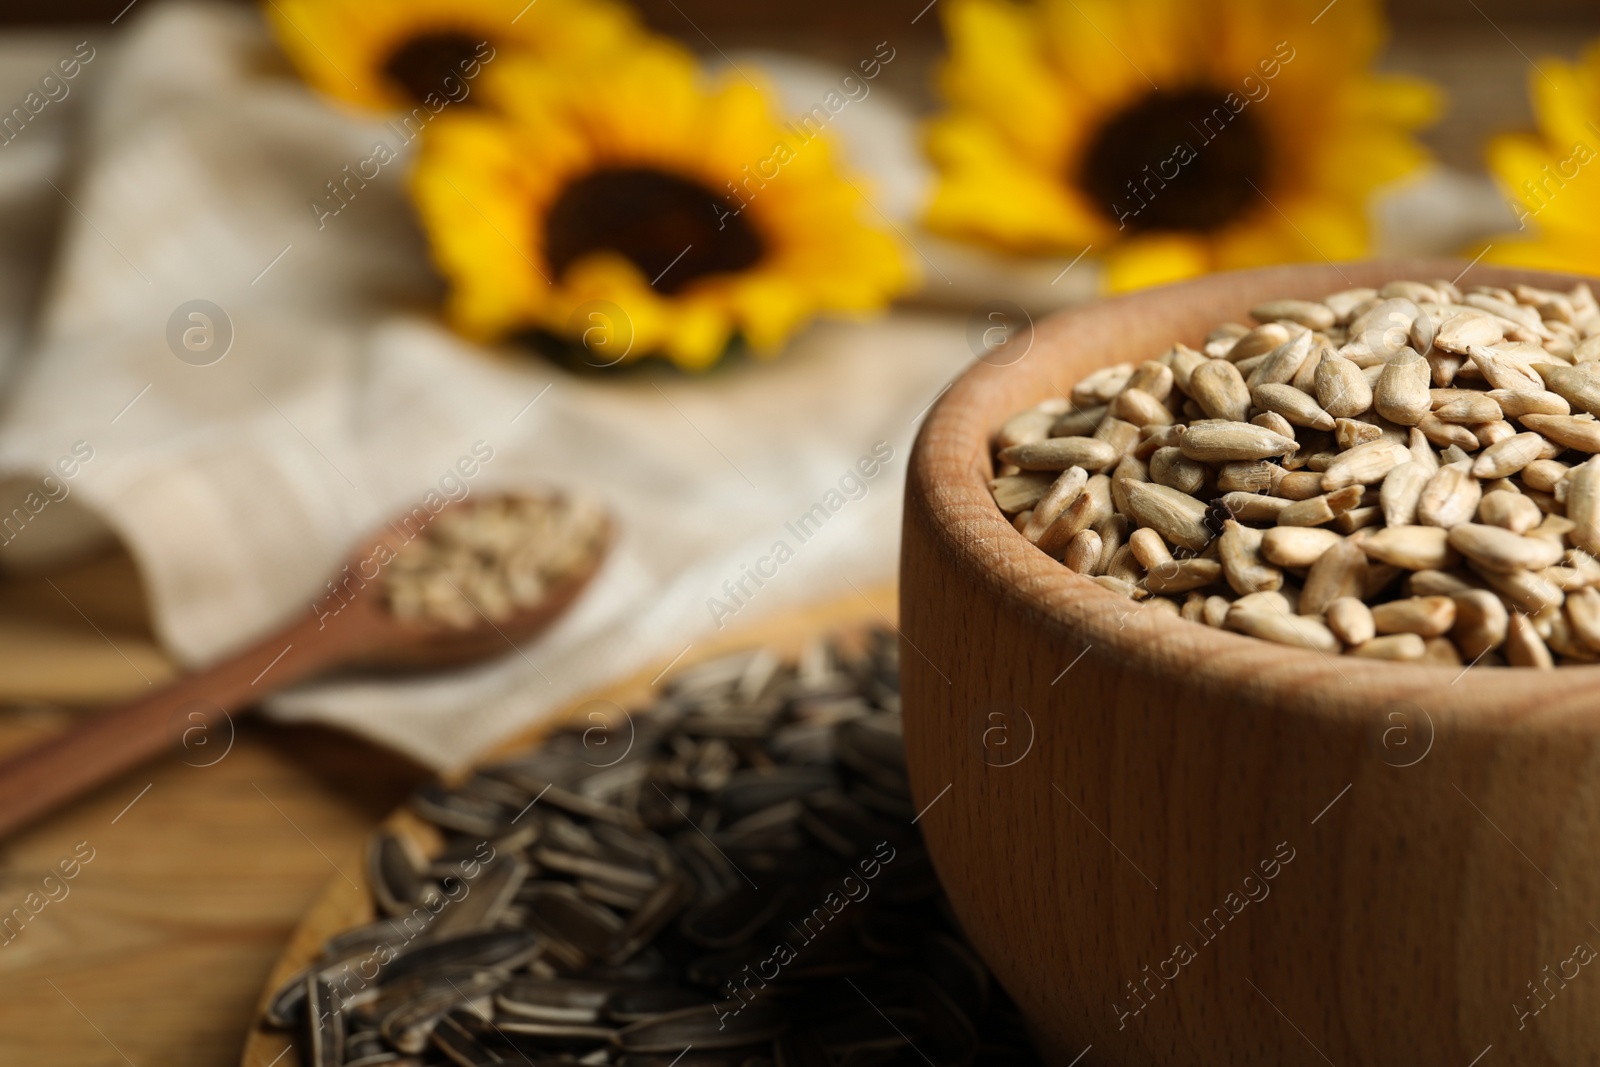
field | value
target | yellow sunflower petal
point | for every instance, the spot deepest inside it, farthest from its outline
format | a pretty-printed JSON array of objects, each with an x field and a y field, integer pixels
[
  {"x": 1548, "y": 253},
  {"x": 994, "y": 69},
  {"x": 1561, "y": 101},
  {"x": 349, "y": 48},
  {"x": 1251, "y": 110},
  {"x": 987, "y": 194},
  {"x": 1552, "y": 177},
  {"x": 566, "y": 211},
  {"x": 1157, "y": 259}
]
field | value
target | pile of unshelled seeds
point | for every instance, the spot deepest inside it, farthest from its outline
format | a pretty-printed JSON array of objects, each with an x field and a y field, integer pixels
[
  {"x": 732, "y": 879},
  {"x": 493, "y": 558},
  {"x": 1407, "y": 473}
]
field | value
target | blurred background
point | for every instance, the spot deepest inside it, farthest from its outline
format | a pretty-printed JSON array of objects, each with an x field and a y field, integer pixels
[
  {"x": 1480, "y": 50},
  {"x": 193, "y": 890}
]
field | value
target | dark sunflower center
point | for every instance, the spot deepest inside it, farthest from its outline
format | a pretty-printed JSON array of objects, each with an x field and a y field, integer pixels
[
  {"x": 673, "y": 229},
  {"x": 1176, "y": 161},
  {"x": 421, "y": 65}
]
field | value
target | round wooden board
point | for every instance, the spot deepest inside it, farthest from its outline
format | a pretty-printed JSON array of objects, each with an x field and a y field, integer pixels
[{"x": 345, "y": 902}]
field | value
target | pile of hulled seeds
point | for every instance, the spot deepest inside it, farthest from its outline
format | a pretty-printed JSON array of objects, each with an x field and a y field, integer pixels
[
  {"x": 1407, "y": 473},
  {"x": 733, "y": 879},
  {"x": 493, "y": 558}
]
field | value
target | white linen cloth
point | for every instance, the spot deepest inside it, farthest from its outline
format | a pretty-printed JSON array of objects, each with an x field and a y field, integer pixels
[{"x": 240, "y": 485}]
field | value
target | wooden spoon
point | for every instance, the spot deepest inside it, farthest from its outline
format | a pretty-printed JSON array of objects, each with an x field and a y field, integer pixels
[{"x": 354, "y": 629}]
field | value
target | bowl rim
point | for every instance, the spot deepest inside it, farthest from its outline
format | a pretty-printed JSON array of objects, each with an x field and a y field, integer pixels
[{"x": 951, "y": 464}]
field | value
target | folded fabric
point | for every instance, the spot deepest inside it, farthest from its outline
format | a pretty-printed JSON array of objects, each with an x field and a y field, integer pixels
[{"x": 240, "y": 484}]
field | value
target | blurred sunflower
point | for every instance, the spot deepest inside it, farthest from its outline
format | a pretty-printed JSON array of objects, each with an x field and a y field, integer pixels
[
  {"x": 1173, "y": 136},
  {"x": 1552, "y": 177},
  {"x": 394, "y": 54},
  {"x": 687, "y": 216}
]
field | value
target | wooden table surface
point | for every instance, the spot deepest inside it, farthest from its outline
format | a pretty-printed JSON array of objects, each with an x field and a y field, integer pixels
[{"x": 156, "y": 952}]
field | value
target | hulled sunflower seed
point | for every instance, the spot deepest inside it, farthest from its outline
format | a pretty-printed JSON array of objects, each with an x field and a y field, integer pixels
[
  {"x": 1401, "y": 393},
  {"x": 1544, "y": 474},
  {"x": 1177, "y": 517},
  {"x": 1425, "y": 616},
  {"x": 1025, "y": 427},
  {"x": 1426, "y": 438},
  {"x": 1292, "y": 405},
  {"x": 1503, "y": 550},
  {"x": 1258, "y": 476},
  {"x": 1570, "y": 431},
  {"x": 1083, "y": 552},
  {"x": 1480, "y": 623},
  {"x": 1120, "y": 434},
  {"x": 1506, "y": 369},
  {"x": 1101, "y": 386},
  {"x": 1508, "y": 456},
  {"x": 1253, "y": 507},
  {"x": 1060, "y": 495},
  {"x": 1526, "y": 591},
  {"x": 1139, "y": 408},
  {"x": 1415, "y": 548},
  {"x": 1223, "y": 442},
  {"x": 1579, "y": 386},
  {"x": 1583, "y": 505},
  {"x": 1515, "y": 403},
  {"x": 1182, "y": 575},
  {"x": 1460, "y": 333},
  {"x": 1079, "y": 422},
  {"x": 1171, "y": 468},
  {"x": 1313, "y": 316},
  {"x": 1019, "y": 492},
  {"x": 1339, "y": 573},
  {"x": 1364, "y": 465},
  {"x": 1239, "y": 549},
  {"x": 1342, "y": 390},
  {"x": 1450, "y": 498},
  {"x": 1297, "y": 546},
  {"x": 1351, "y": 620},
  {"x": 1583, "y": 613},
  {"x": 1219, "y": 389},
  {"x": 1524, "y": 647},
  {"x": 1347, "y": 303},
  {"x": 1092, "y": 506},
  {"x": 1319, "y": 510},
  {"x": 1464, "y": 406},
  {"x": 1405, "y": 646},
  {"x": 492, "y": 558},
  {"x": 1348, "y": 433},
  {"x": 1059, "y": 453},
  {"x": 1402, "y": 489},
  {"x": 1283, "y": 363},
  {"x": 1510, "y": 511},
  {"x": 1444, "y": 434},
  {"x": 1153, "y": 377},
  {"x": 1282, "y": 628},
  {"x": 1258, "y": 342},
  {"x": 1148, "y": 548}
]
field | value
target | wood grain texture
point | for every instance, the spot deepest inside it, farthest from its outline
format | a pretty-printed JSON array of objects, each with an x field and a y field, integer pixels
[
  {"x": 79, "y": 636},
  {"x": 345, "y": 902},
  {"x": 160, "y": 945},
  {"x": 1444, "y": 828},
  {"x": 332, "y": 633}
]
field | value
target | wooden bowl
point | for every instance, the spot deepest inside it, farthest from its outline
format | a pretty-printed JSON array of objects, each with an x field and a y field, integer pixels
[{"x": 1180, "y": 846}]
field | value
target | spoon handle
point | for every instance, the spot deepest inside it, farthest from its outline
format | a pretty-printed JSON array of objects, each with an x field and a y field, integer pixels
[{"x": 182, "y": 714}]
